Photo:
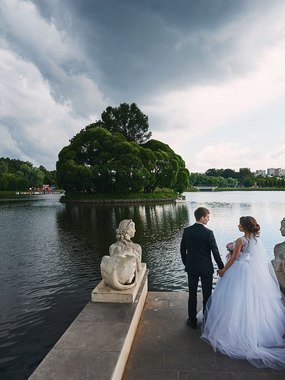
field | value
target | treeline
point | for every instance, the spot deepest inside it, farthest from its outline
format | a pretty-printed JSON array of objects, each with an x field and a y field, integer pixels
[
  {"x": 17, "y": 175},
  {"x": 231, "y": 178}
]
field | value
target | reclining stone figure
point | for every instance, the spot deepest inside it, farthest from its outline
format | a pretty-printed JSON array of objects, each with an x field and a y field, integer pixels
[{"x": 119, "y": 270}]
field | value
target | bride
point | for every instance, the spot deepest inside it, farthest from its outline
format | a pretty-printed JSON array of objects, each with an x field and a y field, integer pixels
[{"x": 245, "y": 316}]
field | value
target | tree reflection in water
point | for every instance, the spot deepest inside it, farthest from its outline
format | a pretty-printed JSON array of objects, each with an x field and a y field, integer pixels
[{"x": 158, "y": 231}]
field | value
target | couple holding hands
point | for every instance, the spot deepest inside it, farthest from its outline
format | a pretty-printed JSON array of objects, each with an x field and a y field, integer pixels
[{"x": 244, "y": 317}]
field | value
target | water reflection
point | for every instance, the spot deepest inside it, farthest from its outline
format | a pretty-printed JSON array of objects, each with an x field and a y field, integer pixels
[
  {"x": 227, "y": 207},
  {"x": 158, "y": 231}
]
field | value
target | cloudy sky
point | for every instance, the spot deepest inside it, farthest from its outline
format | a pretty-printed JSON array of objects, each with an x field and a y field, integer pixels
[{"x": 210, "y": 74}]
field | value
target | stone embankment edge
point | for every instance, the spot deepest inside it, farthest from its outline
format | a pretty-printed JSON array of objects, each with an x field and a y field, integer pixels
[
  {"x": 124, "y": 354},
  {"x": 52, "y": 367}
]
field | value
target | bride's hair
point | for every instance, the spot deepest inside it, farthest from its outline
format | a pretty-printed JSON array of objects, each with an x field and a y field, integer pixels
[{"x": 249, "y": 224}]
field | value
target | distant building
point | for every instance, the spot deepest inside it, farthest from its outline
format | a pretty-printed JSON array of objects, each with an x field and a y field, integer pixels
[
  {"x": 276, "y": 172},
  {"x": 271, "y": 171},
  {"x": 260, "y": 172}
]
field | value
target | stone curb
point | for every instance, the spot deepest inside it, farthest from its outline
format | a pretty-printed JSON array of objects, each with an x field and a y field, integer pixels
[{"x": 97, "y": 344}]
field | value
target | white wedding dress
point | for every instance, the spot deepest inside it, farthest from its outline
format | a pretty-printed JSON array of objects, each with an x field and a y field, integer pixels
[{"x": 245, "y": 316}]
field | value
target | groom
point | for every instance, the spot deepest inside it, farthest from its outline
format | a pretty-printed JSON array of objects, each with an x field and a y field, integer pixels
[{"x": 196, "y": 246}]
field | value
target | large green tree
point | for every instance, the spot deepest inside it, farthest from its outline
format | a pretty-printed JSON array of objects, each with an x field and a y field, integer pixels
[
  {"x": 99, "y": 161},
  {"x": 246, "y": 177},
  {"x": 113, "y": 156}
]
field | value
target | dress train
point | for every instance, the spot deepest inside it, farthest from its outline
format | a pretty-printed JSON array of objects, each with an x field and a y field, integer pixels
[{"x": 245, "y": 316}]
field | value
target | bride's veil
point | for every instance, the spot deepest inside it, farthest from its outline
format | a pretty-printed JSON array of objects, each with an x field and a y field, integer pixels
[{"x": 261, "y": 266}]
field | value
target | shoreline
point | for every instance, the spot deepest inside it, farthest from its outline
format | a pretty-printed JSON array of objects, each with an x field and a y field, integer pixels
[
  {"x": 119, "y": 201},
  {"x": 221, "y": 189}
]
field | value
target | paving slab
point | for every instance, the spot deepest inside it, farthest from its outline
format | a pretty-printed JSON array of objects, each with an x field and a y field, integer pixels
[{"x": 166, "y": 348}]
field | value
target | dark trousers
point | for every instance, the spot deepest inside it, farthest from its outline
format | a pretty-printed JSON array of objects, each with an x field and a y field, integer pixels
[{"x": 206, "y": 282}]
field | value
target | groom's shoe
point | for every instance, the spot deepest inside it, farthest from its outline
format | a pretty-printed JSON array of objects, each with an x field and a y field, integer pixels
[{"x": 191, "y": 324}]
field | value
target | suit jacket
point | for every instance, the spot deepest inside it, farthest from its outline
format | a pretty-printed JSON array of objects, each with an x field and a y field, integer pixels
[{"x": 196, "y": 246}]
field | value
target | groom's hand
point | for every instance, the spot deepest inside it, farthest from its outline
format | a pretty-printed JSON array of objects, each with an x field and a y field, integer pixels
[{"x": 220, "y": 272}]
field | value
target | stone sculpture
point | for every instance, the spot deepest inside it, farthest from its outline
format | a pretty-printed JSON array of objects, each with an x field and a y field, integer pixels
[
  {"x": 279, "y": 261},
  {"x": 120, "y": 270}
]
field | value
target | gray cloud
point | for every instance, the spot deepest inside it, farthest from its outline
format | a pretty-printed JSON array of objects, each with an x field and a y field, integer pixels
[
  {"x": 86, "y": 54},
  {"x": 56, "y": 54},
  {"x": 130, "y": 48},
  {"x": 136, "y": 47}
]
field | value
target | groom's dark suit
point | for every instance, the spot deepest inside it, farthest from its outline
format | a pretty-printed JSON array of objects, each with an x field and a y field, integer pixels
[{"x": 196, "y": 246}]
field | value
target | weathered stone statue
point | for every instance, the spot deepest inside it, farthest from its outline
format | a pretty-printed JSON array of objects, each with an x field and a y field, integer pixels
[
  {"x": 119, "y": 270},
  {"x": 279, "y": 261}
]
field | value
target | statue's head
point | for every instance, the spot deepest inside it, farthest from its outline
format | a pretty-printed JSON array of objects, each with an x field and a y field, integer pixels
[
  {"x": 282, "y": 228},
  {"x": 126, "y": 230}
]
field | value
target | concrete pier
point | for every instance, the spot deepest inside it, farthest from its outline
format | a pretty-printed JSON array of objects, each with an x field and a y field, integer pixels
[
  {"x": 99, "y": 345},
  {"x": 165, "y": 348}
]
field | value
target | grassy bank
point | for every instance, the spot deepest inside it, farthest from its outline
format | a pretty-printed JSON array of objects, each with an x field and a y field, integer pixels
[
  {"x": 4, "y": 194},
  {"x": 249, "y": 189},
  {"x": 157, "y": 195},
  {"x": 193, "y": 189}
]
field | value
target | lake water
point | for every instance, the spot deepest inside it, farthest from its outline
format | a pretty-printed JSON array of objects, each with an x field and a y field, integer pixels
[{"x": 50, "y": 256}]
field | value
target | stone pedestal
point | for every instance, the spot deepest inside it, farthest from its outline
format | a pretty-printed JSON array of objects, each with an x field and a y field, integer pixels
[{"x": 103, "y": 293}]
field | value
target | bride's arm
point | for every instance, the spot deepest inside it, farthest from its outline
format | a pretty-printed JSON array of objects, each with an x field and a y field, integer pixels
[{"x": 233, "y": 258}]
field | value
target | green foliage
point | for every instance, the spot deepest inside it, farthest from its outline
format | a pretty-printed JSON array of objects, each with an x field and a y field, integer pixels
[
  {"x": 269, "y": 182},
  {"x": 244, "y": 177},
  {"x": 225, "y": 173},
  {"x": 167, "y": 169},
  {"x": 18, "y": 175},
  {"x": 109, "y": 157},
  {"x": 3, "y": 166},
  {"x": 182, "y": 180},
  {"x": 49, "y": 176},
  {"x": 33, "y": 176},
  {"x": 199, "y": 179},
  {"x": 75, "y": 176},
  {"x": 230, "y": 179},
  {"x": 112, "y": 164},
  {"x": 126, "y": 119}
]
